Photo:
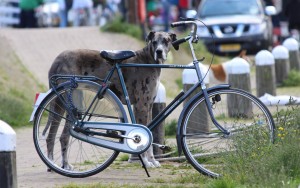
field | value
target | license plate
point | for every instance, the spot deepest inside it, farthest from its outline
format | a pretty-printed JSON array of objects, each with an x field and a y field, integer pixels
[{"x": 230, "y": 47}]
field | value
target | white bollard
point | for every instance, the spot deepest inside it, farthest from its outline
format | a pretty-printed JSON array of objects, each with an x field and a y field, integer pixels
[
  {"x": 292, "y": 45},
  {"x": 239, "y": 77},
  {"x": 282, "y": 64},
  {"x": 265, "y": 73},
  {"x": 239, "y": 74},
  {"x": 8, "y": 172},
  {"x": 158, "y": 106},
  {"x": 189, "y": 78}
]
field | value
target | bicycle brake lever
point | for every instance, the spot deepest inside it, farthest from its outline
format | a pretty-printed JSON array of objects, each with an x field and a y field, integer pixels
[{"x": 202, "y": 59}]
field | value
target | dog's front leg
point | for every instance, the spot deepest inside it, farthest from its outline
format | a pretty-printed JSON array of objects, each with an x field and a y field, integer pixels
[
  {"x": 143, "y": 114},
  {"x": 151, "y": 158}
]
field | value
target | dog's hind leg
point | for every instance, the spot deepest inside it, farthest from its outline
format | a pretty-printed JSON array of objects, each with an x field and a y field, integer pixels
[
  {"x": 53, "y": 122},
  {"x": 64, "y": 142}
]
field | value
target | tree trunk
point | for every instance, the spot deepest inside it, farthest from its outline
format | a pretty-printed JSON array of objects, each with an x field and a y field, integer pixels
[{"x": 132, "y": 13}]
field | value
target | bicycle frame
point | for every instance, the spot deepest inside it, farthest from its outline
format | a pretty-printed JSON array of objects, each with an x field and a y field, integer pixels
[{"x": 177, "y": 100}]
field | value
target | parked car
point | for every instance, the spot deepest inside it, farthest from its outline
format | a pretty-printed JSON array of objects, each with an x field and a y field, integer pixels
[
  {"x": 235, "y": 25},
  {"x": 48, "y": 14}
]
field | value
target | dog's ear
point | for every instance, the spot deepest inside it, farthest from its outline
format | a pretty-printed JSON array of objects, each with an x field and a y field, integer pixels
[
  {"x": 150, "y": 36},
  {"x": 174, "y": 38}
]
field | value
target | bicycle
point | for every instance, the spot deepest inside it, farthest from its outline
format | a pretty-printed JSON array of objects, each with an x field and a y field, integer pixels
[{"x": 209, "y": 128}]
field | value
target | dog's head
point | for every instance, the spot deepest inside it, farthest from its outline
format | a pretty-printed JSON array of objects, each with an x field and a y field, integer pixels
[{"x": 160, "y": 44}]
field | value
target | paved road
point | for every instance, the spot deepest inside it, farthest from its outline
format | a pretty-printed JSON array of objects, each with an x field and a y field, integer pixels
[{"x": 37, "y": 48}]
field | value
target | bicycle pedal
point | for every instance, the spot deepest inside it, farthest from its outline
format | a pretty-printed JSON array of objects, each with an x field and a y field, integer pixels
[{"x": 163, "y": 147}]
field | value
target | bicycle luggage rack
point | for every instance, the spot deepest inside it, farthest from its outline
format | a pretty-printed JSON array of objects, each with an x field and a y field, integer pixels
[{"x": 54, "y": 80}]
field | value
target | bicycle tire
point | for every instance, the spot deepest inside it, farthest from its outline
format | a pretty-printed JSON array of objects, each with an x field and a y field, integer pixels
[
  {"x": 81, "y": 159},
  {"x": 246, "y": 118}
]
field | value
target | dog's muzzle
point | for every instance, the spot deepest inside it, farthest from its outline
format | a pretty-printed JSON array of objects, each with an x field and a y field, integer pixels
[{"x": 160, "y": 55}]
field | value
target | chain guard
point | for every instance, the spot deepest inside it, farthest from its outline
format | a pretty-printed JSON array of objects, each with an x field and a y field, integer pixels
[{"x": 136, "y": 138}]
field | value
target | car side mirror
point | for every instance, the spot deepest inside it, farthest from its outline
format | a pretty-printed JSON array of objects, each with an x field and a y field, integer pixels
[
  {"x": 191, "y": 14},
  {"x": 270, "y": 10}
]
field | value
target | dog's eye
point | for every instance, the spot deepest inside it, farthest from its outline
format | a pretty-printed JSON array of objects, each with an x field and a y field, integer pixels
[
  {"x": 165, "y": 41},
  {"x": 154, "y": 43}
]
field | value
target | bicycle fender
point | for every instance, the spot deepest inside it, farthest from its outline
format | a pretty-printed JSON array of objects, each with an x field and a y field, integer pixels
[
  {"x": 39, "y": 98},
  {"x": 191, "y": 101}
]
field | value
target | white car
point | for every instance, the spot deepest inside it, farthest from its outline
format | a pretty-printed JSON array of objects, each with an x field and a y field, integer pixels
[{"x": 235, "y": 25}]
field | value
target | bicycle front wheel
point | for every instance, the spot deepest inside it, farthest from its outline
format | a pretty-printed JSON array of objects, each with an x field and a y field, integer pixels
[
  {"x": 60, "y": 151},
  {"x": 208, "y": 149}
]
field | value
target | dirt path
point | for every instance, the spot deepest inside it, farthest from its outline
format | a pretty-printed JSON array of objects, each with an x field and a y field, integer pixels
[{"x": 31, "y": 171}]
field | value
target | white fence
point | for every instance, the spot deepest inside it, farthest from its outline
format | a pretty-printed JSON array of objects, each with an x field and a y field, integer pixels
[{"x": 9, "y": 13}]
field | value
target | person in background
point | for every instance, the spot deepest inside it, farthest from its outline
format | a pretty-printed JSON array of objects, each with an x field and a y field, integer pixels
[
  {"x": 64, "y": 7},
  {"x": 292, "y": 13},
  {"x": 82, "y": 12},
  {"x": 27, "y": 14}
]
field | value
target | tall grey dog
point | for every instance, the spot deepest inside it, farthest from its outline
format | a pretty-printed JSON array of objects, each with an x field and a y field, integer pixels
[{"x": 142, "y": 83}]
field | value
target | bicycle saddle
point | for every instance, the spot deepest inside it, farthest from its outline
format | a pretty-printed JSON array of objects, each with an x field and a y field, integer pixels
[{"x": 117, "y": 55}]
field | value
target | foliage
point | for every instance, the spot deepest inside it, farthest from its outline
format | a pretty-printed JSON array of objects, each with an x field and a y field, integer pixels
[
  {"x": 170, "y": 128},
  {"x": 200, "y": 51},
  {"x": 293, "y": 79},
  {"x": 273, "y": 166},
  {"x": 14, "y": 110},
  {"x": 179, "y": 83},
  {"x": 118, "y": 26},
  {"x": 17, "y": 89}
]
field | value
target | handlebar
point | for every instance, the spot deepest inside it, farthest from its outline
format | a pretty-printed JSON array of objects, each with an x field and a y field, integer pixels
[
  {"x": 192, "y": 38},
  {"x": 186, "y": 21}
]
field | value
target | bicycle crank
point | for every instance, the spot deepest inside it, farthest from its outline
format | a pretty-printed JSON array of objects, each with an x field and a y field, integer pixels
[{"x": 124, "y": 137}]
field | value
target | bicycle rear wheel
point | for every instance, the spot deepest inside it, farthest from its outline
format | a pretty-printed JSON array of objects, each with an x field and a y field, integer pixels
[
  {"x": 60, "y": 151},
  {"x": 209, "y": 150}
]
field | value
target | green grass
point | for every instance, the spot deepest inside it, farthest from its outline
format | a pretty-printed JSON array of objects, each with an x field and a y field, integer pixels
[
  {"x": 118, "y": 26},
  {"x": 276, "y": 165},
  {"x": 17, "y": 88},
  {"x": 293, "y": 79}
]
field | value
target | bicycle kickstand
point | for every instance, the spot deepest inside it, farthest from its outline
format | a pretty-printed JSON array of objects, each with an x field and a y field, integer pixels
[{"x": 144, "y": 165}]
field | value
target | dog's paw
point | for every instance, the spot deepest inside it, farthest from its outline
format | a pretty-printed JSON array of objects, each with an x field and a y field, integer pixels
[
  {"x": 67, "y": 166},
  {"x": 156, "y": 163},
  {"x": 149, "y": 164}
]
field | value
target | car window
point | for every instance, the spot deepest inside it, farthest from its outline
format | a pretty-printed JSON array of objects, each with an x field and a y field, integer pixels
[{"x": 212, "y": 8}]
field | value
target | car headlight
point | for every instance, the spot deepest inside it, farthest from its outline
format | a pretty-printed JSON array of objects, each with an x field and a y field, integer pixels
[
  {"x": 203, "y": 31},
  {"x": 258, "y": 28}
]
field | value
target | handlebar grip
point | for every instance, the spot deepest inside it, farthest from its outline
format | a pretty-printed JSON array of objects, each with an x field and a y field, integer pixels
[
  {"x": 176, "y": 24},
  {"x": 178, "y": 42}
]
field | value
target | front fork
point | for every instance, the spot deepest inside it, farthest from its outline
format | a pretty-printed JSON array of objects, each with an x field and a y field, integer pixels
[{"x": 211, "y": 114}]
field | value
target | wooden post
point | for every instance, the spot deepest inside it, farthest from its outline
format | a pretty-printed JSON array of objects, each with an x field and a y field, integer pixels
[
  {"x": 8, "y": 172},
  {"x": 282, "y": 64},
  {"x": 265, "y": 73},
  {"x": 239, "y": 77},
  {"x": 159, "y": 131},
  {"x": 292, "y": 45},
  {"x": 189, "y": 78}
]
